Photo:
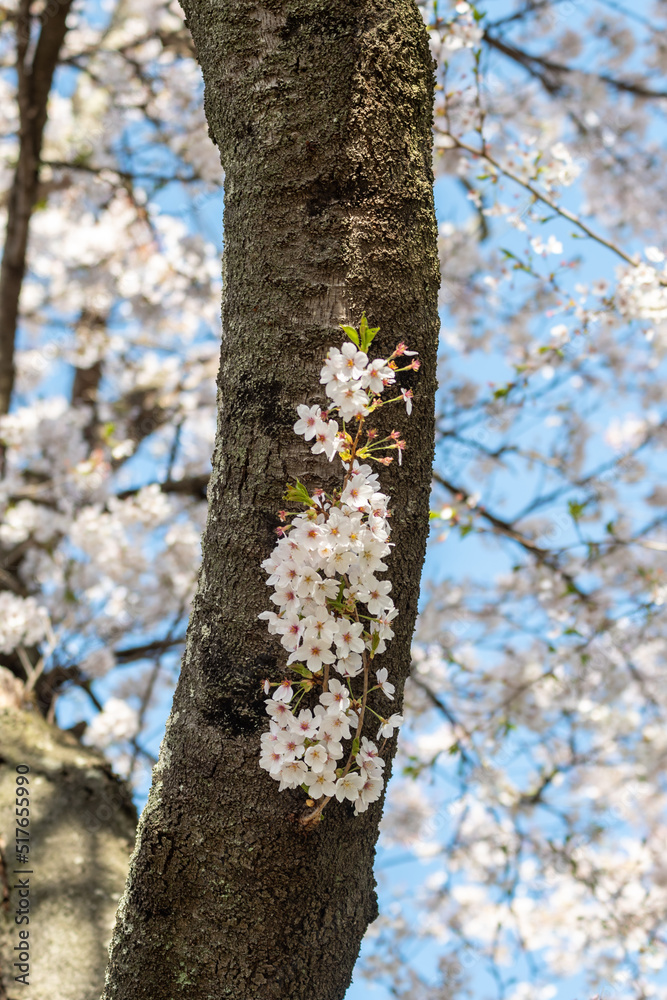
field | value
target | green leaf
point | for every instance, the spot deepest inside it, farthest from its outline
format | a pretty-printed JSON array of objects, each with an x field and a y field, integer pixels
[
  {"x": 499, "y": 393},
  {"x": 576, "y": 509},
  {"x": 465, "y": 529},
  {"x": 352, "y": 334},
  {"x": 298, "y": 494},
  {"x": 355, "y": 746},
  {"x": 300, "y": 669},
  {"x": 366, "y": 333}
]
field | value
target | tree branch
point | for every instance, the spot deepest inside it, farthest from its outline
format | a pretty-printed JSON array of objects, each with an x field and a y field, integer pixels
[
  {"x": 34, "y": 85},
  {"x": 506, "y": 528},
  {"x": 540, "y": 67}
]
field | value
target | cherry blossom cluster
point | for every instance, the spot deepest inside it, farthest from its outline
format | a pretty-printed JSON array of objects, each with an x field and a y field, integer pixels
[
  {"x": 22, "y": 621},
  {"x": 332, "y": 612}
]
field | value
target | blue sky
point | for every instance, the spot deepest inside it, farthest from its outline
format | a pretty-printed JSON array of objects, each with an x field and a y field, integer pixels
[{"x": 448, "y": 560}]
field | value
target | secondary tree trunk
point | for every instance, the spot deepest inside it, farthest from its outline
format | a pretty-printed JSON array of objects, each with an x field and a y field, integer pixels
[
  {"x": 82, "y": 825},
  {"x": 322, "y": 113}
]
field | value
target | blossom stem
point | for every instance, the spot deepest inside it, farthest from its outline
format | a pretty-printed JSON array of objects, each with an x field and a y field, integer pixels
[
  {"x": 353, "y": 453},
  {"x": 313, "y": 817}
]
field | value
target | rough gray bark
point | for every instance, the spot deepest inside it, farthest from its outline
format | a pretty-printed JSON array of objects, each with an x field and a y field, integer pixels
[
  {"x": 322, "y": 113},
  {"x": 82, "y": 825}
]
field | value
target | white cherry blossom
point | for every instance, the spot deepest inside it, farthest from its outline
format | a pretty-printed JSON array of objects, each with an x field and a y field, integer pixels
[
  {"x": 309, "y": 419},
  {"x": 349, "y": 786},
  {"x": 389, "y": 725}
]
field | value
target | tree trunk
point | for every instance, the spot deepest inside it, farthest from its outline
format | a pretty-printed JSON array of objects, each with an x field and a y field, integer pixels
[
  {"x": 322, "y": 113},
  {"x": 34, "y": 86},
  {"x": 81, "y": 829}
]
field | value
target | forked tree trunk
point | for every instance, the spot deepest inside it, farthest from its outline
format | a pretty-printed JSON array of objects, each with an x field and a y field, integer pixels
[{"x": 322, "y": 113}]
